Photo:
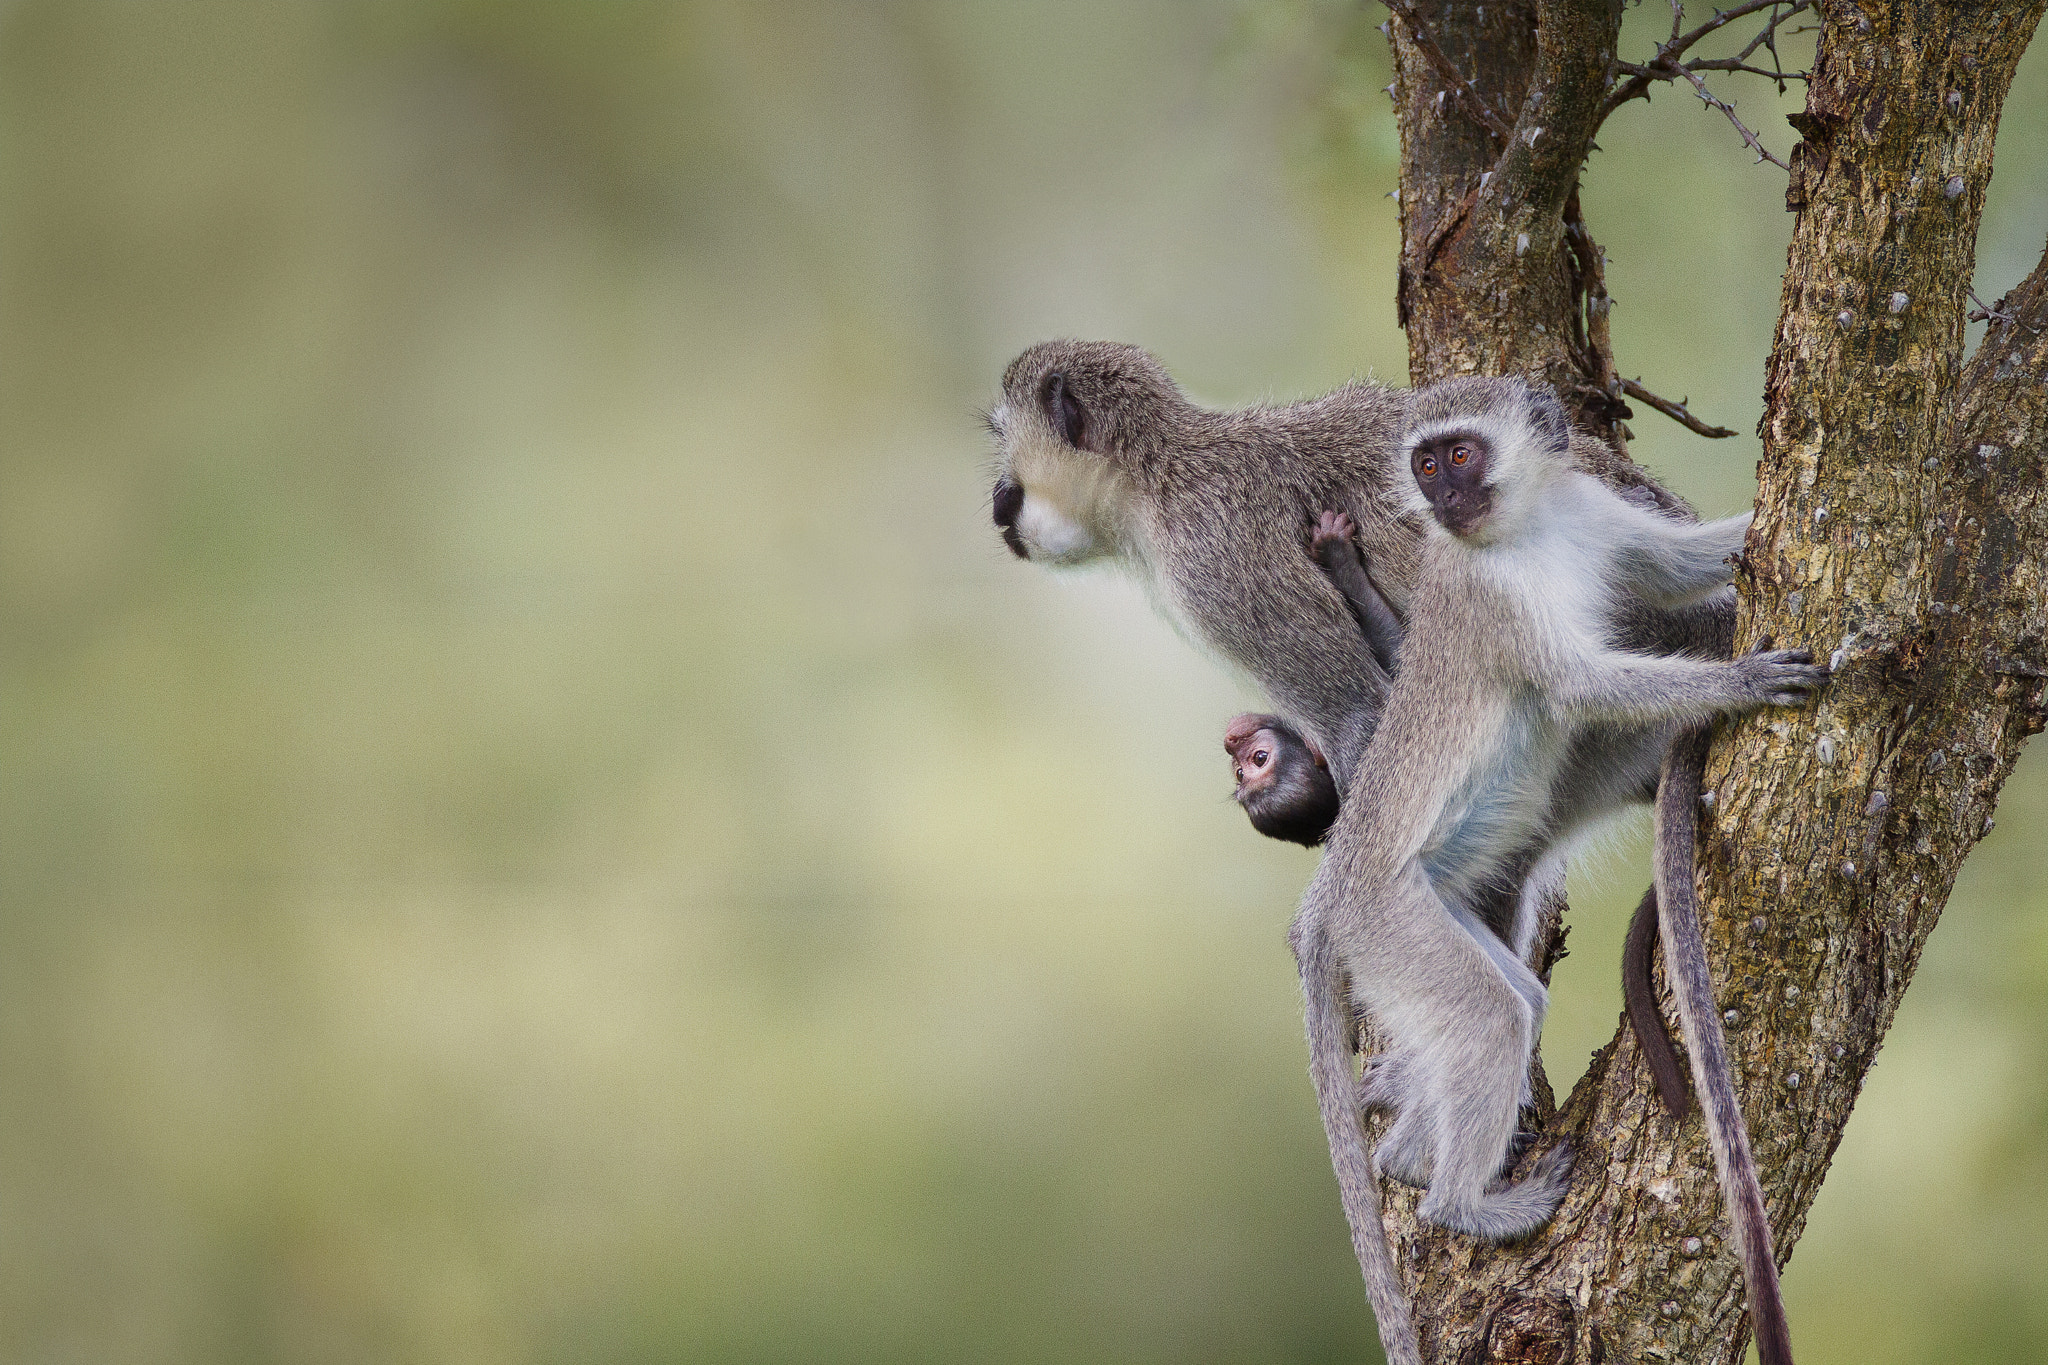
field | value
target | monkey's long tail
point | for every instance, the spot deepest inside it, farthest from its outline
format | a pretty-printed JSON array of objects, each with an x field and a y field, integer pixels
[
  {"x": 1330, "y": 1040},
  {"x": 1685, "y": 954},
  {"x": 1646, "y": 1021}
]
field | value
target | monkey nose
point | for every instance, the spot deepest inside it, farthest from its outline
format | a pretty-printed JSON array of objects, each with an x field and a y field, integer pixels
[
  {"x": 1009, "y": 501},
  {"x": 1009, "y": 504}
]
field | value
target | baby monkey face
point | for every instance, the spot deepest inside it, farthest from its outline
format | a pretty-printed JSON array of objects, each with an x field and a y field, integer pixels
[
  {"x": 1283, "y": 782},
  {"x": 1451, "y": 471}
]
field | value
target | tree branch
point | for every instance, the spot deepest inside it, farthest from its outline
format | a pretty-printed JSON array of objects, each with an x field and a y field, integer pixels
[
  {"x": 1488, "y": 279},
  {"x": 1675, "y": 411},
  {"x": 1665, "y": 66}
]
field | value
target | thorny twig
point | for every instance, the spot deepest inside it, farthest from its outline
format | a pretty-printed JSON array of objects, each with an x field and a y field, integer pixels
[
  {"x": 1665, "y": 66},
  {"x": 1425, "y": 43},
  {"x": 1677, "y": 412},
  {"x": 1737, "y": 64},
  {"x": 1756, "y": 144}
]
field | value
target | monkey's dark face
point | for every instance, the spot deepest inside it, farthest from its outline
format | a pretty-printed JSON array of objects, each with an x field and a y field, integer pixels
[
  {"x": 1282, "y": 781},
  {"x": 1451, "y": 471}
]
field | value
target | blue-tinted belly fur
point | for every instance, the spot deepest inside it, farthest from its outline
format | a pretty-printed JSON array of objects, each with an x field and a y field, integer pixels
[{"x": 1489, "y": 816}]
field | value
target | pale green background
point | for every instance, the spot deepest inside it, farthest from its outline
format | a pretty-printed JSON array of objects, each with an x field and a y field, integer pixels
[{"x": 539, "y": 823}]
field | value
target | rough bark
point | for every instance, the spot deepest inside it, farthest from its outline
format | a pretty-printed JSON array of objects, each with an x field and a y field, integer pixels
[
  {"x": 1497, "y": 106},
  {"x": 1901, "y": 529}
]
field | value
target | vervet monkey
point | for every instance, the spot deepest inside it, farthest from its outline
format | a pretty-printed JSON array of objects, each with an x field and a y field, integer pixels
[
  {"x": 1508, "y": 683},
  {"x": 1102, "y": 458},
  {"x": 1284, "y": 783}
]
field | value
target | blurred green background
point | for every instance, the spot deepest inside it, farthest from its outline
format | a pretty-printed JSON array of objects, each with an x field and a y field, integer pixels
[{"x": 539, "y": 822}]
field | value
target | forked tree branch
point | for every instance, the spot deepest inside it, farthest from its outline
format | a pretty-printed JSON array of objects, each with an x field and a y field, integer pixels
[{"x": 1902, "y": 531}]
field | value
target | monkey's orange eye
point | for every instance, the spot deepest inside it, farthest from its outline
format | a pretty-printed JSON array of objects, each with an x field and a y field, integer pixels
[
  {"x": 1428, "y": 468},
  {"x": 1461, "y": 454}
]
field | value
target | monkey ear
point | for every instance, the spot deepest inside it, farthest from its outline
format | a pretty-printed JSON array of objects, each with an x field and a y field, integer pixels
[
  {"x": 1065, "y": 412},
  {"x": 1547, "y": 419}
]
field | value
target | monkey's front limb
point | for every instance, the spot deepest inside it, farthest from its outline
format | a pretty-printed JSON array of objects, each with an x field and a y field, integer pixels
[
  {"x": 1646, "y": 689},
  {"x": 1669, "y": 563},
  {"x": 1332, "y": 545}
]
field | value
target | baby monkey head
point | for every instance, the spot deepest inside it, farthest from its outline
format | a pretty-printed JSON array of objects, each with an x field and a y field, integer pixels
[
  {"x": 1077, "y": 435},
  {"x": 1283, "y": 782},
  {"x": 1475, "y": 444}
]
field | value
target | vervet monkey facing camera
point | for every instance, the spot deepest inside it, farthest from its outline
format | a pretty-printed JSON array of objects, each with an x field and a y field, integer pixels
[{"x": 1512, "y": 724}]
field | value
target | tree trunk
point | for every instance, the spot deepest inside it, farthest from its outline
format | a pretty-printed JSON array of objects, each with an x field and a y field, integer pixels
[{"x": 1901, "y": 531}]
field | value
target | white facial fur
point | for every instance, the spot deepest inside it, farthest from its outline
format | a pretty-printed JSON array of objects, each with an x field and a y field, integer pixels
[{"x": 1075, "y": 503}]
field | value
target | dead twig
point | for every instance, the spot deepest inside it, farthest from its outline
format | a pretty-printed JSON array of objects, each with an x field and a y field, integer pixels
[
  {"x": 1677, "y": 412},
  {"x": 1591, "y": 344},
  {"x": 1986, "y": 312}
]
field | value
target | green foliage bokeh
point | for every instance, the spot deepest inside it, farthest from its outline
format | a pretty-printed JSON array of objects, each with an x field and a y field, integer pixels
[{"x": 540, "y": 824}]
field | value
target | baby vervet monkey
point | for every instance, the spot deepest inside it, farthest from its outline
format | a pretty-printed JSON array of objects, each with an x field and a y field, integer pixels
[
  {"x": 1508, "y": 684},
  {"x": 1283, "y": 780}
]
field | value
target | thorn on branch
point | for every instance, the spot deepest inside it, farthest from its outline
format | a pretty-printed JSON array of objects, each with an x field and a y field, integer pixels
[
  {"x": 1756, "y": 144},
  {"x": 1677, "y": 412},
  {"x": 1425, "y": 43}
]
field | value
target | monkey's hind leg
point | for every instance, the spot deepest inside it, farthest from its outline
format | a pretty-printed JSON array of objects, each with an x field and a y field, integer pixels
[
  {"x": 1403, "y": 1154},
  {"x": 1463, "y": 1013},
  {"x": 1463, "y": 1198},
  {"x": 1474, "y": 1095}
]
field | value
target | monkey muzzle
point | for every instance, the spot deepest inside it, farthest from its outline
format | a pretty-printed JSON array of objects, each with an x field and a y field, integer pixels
[
  {"x": 1008, "y": 505},
  {"x": 1461, "y": 511}
]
